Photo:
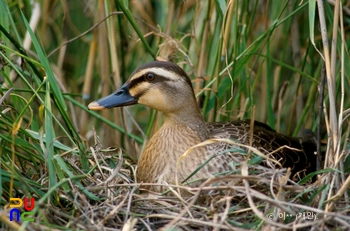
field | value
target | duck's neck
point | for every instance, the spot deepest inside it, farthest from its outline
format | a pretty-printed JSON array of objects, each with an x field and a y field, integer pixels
[
  {"x": 180, "y": 131},
  {"x": 189, "y": 116}
]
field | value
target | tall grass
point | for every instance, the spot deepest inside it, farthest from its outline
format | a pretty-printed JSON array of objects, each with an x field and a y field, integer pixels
[{"x": 247, "y": 58}]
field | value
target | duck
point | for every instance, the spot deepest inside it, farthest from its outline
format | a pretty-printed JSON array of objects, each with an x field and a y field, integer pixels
[{"x": 173, "y": 153}]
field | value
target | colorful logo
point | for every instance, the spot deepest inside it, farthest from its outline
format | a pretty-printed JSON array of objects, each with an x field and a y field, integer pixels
[{"x": 16, "y": 203}]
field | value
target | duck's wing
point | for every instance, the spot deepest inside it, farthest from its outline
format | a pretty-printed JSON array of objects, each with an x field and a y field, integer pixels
[{"x": 299, "y": 154}]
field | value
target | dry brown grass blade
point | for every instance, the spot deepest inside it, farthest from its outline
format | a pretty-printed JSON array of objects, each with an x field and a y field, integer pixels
[
  {"x": 341, "y": 191},
  {"x": 330, "y": 83}
]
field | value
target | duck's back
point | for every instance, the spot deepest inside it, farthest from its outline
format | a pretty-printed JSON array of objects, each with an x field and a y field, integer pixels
[{"x": 299, "y": 154}]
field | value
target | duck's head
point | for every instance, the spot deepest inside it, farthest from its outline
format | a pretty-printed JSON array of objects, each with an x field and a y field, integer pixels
[{"x": 163, "y": 86}]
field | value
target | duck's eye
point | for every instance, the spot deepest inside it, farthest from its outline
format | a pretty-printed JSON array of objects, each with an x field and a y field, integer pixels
[{"x": 150, "y": 76}]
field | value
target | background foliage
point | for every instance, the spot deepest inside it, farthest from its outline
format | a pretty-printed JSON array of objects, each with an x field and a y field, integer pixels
[{"x": 247, "y": 59}]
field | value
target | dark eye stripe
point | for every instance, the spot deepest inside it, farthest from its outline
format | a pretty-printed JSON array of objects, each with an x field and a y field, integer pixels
[
  {"x": 158, "y": 78},
  {"x": 135, "y": 82}
]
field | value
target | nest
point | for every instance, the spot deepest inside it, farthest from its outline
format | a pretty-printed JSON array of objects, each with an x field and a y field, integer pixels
[{"x": 259, "y": 197}]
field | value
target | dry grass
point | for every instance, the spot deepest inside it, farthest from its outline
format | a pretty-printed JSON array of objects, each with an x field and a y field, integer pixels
[
  {"x": 260, "y": 198},
  {"x": 256, "y": 198}
]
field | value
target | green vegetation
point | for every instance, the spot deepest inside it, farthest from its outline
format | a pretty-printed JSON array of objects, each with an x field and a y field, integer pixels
[{"x": 247, "y": 59}]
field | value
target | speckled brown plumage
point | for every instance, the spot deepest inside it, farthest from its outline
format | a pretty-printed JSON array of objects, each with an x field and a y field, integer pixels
[{"x": 165, "y": 87}]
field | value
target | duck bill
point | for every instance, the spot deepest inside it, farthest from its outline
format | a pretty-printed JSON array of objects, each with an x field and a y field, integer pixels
[{"x": 119, "y": 98}]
